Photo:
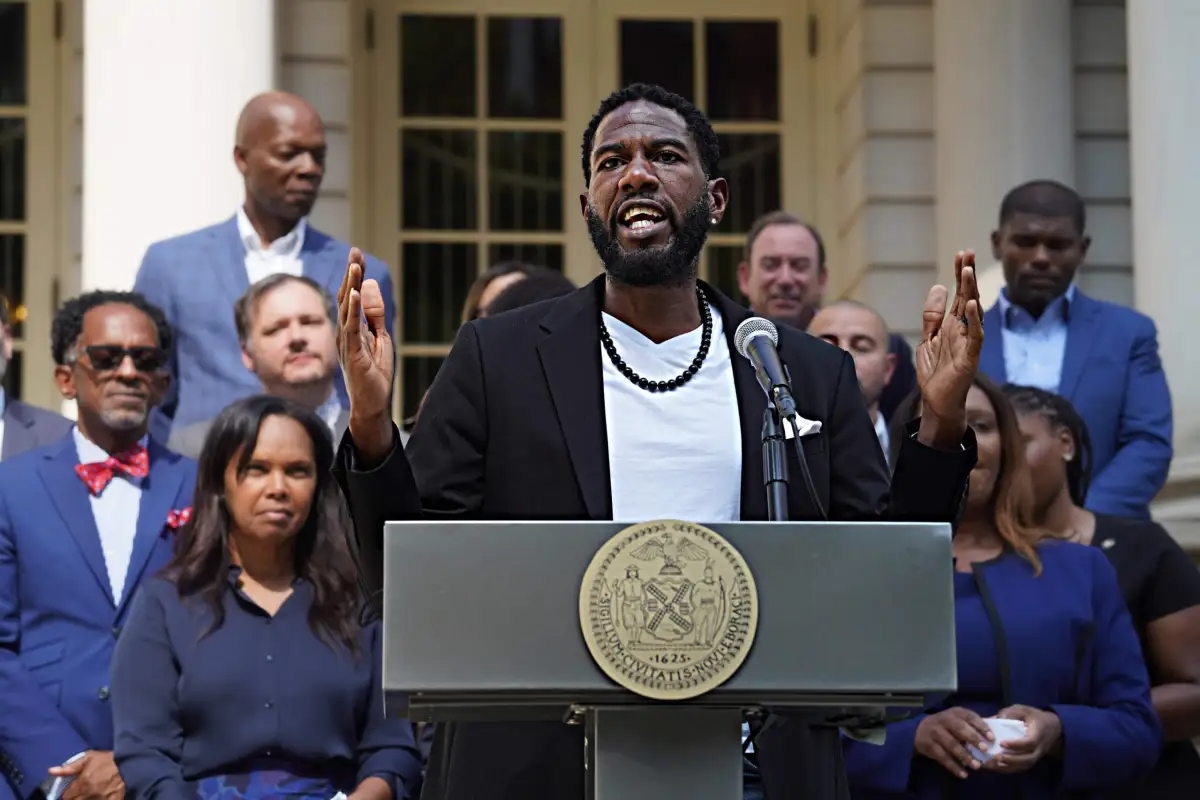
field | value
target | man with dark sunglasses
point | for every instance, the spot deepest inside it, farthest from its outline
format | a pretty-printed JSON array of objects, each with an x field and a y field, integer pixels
[{"x": 82, "y": 522}]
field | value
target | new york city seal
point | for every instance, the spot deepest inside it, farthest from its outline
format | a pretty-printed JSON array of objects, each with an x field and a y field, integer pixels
[{"x": 668, "y": 609}]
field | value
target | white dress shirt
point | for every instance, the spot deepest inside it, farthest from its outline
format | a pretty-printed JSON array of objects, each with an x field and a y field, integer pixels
[
  {"x": 116, "y": 512},
  {"x": 282, "y": 255},
  {"x": 885, "y": 439},
  {"x": 330, "y": 412}
]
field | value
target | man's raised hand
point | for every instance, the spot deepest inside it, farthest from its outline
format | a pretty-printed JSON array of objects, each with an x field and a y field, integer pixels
[
  {"x": 365, "y": 351},
  {"x": 948, "y": 355}
]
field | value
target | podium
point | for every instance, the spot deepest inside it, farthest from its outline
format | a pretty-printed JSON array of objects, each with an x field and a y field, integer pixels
[{"x": 481, "y": 623}]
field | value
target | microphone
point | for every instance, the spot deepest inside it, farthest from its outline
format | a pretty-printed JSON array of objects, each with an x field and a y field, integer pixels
[{"x": 756, "y": 339}]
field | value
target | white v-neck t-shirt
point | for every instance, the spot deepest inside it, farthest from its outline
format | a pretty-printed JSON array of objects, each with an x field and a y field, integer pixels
[{"x": 674, "y": 454}]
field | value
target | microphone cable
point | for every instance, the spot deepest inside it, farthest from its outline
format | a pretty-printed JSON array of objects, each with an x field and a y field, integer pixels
[{"x": 804, "y": 471}]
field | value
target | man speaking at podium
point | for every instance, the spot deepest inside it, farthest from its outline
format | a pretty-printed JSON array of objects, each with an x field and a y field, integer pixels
[{"x": 626, "y": 400}]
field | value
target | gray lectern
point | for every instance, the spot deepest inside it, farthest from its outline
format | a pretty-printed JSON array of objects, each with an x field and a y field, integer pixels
[{"x": 481, "y": 623}]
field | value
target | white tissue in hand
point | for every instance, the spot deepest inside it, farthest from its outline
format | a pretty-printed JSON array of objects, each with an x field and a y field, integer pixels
[{"x": 1005, "y": 730}]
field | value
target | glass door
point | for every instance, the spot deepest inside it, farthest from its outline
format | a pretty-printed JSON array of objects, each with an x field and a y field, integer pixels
[{"x": 477, "y": 157}]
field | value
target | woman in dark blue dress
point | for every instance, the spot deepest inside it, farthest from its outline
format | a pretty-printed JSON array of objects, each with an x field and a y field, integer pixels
[
  {"x": 1160, "y": 583},
  {"x": 246, "y": 670},
  {"x": 1043, "y": 637}
]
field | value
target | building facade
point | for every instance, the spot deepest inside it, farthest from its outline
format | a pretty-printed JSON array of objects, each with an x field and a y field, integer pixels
[{"x": 454, "y": 130}]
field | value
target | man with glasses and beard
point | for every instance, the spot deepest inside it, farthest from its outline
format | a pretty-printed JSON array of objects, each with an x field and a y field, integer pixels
[
  {"x": 83, "y": 522},
  {"x": 629, "y": 394}
]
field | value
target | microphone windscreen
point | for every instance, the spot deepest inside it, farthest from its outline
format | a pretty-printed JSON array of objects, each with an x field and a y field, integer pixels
[{"x": 749, "y": 328}]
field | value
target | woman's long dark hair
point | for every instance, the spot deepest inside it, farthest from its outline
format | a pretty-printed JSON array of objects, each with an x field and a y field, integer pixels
[{"x": 324, "y": 556}]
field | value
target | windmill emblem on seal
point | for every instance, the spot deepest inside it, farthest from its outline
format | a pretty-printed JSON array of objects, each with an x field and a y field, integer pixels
[{"x": 671, "y": 607}]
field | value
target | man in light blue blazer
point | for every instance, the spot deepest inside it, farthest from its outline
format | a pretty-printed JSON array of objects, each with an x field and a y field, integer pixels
[
  {"x": 83, "y": 522},
  {"x": 196, "y": 278},
  {"x": 1045, "y": 332}
]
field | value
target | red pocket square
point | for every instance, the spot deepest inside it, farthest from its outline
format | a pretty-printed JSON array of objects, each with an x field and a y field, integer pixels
[{"x": 176, "y": 519}]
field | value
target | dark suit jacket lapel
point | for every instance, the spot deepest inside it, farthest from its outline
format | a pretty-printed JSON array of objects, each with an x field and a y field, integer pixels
[
  {"x": 570, "y": 356},
  {"x": 18, "y": 430},
  {"x": 991, "y": 360},
  {"x": 752, "y": 403},
  {"x": 162, "y": 489},
  {"x": 71, "y": 500},
  {"x": 1081, "y": 335}
]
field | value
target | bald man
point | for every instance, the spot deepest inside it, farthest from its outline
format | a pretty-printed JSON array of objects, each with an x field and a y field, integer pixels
[
  {"x": 196, "y": 278},
  {"x": 860, "y": 331}
]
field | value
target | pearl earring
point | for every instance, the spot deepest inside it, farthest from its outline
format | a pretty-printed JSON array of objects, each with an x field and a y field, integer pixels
[
  {"x": 1068, "y": 456},
  {"x": 714, "y": 220}
]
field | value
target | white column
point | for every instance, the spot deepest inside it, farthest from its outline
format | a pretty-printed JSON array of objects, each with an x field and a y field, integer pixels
[
  {"x": 1003, "y": 78},
  {"x": 163, "y": 85},
  {"x": 1164, "y": 114}
]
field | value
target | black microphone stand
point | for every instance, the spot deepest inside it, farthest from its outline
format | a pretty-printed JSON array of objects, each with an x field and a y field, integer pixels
[{"x": 775, "y": 469}]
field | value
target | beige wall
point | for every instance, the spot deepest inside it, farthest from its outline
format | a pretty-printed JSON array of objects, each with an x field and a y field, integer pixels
[
  {"x": 314, "y": 42},
  {"x": 314, "y": 54},
  {"x": 1102, "y": 146},
  {"x": 886, "y": 167},
  {"x": 885, "y": 192}
]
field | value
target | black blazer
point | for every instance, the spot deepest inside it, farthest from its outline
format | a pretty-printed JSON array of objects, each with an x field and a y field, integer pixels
[{"x": 514, "y": 428}]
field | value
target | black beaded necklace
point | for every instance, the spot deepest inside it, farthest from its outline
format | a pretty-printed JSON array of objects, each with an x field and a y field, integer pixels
[{"x": 674, "y": 383}]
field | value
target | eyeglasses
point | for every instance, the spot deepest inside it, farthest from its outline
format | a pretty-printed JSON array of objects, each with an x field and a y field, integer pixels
[{"x": 145, "y": 359}]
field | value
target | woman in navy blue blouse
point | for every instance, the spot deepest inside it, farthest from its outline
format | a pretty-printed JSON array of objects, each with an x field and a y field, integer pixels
[
  {"x": 1160, "y": 583},
  {"x": 245, "y": 671},
  {"x": 1042, "y": 636}
]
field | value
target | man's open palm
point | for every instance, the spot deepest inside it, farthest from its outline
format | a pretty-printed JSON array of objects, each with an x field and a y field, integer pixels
[
  {"x": 948, "y": 355},
  {"x": 365, "y": 350}
]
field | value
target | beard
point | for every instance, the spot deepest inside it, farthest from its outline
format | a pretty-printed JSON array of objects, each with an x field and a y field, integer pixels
[{"x": 672, "y": 264}]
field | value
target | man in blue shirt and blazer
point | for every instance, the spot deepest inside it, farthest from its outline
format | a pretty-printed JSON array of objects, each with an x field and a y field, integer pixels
[
  {"x": 1045, "y": 332},
  {"x": 83, "y": 522},
  {"x": 196, "y": 278}
]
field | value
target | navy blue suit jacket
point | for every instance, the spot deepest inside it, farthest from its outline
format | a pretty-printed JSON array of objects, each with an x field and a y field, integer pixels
[
  {"x": 1112, "y": 374},
  {"x": 1065, "y": 643},
  {"x": 195, "y": 279},
  {"x": 58, "y": 621}
]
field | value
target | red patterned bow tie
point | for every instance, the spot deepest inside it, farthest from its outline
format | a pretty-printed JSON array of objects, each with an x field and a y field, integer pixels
[{"x": 134, "y": 462}]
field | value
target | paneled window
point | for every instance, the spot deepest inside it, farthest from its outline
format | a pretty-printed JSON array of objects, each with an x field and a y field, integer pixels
[
  {"x": 480, "y": 135},
  {"x": 14, "y": 113}
]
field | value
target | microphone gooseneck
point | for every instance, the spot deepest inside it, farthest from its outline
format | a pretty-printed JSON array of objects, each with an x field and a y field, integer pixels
[{"x": 757, "y": 340}]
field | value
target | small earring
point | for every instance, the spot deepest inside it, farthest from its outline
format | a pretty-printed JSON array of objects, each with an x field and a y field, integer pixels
[
  {"x": 714, "y": 220},
  {"x": 1068, "y": 456}
]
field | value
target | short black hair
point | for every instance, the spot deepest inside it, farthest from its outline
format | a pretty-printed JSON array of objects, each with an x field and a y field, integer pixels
[
  {"x": 68, "y": 320},
  {"x": 1045, "y": 198},
  {"x": 1059, "y": 412},
  {"x": 697, "y": 124},
  {"x": 544, "y": 284}
]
